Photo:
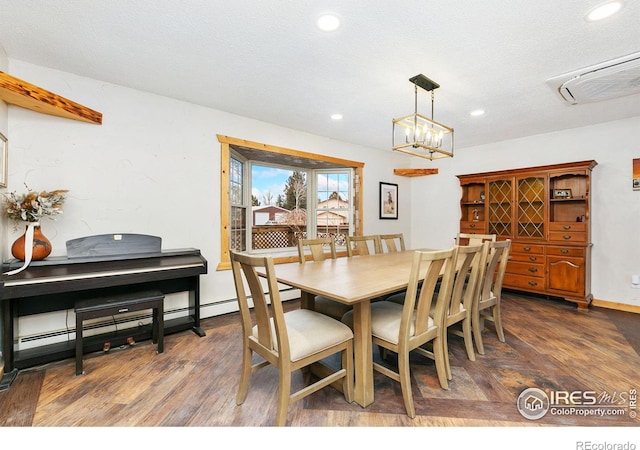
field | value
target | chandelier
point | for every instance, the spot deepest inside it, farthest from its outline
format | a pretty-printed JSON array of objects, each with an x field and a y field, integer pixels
[{"x": 418, "y": 135}]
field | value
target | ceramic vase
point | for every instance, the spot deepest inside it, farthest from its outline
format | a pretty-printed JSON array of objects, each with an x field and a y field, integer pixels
[{"x": 41, "y": 245}]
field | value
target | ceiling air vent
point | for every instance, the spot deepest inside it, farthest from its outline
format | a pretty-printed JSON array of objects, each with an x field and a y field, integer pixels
[{"x": 615, "y": 78}]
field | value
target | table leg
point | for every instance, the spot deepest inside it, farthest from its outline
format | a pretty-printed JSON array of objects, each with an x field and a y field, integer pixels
[
  {"x": 307, "y": 300},
  {"x": 363, "y": 353}
]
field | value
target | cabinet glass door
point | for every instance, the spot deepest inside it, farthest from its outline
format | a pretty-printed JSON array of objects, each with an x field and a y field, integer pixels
[
  {"x": 500, "y": 209},
  {"x": 531, "y": 197}
]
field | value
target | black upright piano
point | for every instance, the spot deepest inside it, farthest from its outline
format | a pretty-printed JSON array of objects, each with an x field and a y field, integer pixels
[{"x": 97, "y": 266}]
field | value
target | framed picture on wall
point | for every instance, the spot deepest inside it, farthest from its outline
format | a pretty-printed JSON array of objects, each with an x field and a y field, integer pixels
[
  {"x": 388, "y": 201},
  {"x": 4, "y": 153}
]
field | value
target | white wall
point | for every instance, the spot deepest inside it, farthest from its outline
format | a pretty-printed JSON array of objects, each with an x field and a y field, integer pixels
[
  {"x": 153, "y": 167},
  {"x": 615, "y": 206}
]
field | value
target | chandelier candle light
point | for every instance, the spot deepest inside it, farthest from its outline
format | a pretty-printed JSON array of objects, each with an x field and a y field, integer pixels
[{"x": 420, "y": 136}]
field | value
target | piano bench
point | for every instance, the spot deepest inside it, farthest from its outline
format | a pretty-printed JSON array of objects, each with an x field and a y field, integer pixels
[{"x": 117, "y": 304}]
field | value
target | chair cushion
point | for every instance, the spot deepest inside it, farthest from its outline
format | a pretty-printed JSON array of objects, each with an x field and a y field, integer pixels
[
  {"x": 397, "y": 298},
  {"x": 385, "y": 320},
  {"x": 330, "y": 307},
  {"x": 310, "y": 332}
]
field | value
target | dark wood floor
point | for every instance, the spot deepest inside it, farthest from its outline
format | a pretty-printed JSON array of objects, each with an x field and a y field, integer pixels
[{"x": 550, "y": 345}]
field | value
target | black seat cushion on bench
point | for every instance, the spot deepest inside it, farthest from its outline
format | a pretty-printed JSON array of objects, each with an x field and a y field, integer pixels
[{"x": 106, "y": 306}]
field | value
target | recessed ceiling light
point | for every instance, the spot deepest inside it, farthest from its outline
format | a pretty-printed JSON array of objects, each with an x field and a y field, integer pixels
[
  {"x": 336, "y": 116},
  {"x": 328, "y": 22},
  {"x": 603, "y": 11},
  {"x": 477, "y": 112}
]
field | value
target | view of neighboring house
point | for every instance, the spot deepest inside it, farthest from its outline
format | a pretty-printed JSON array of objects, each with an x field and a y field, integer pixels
[
  {"x": 268, "y": 214},
  {"x": 331, "y": 212}
]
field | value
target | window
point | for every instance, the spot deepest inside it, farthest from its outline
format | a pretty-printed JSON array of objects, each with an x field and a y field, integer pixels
[
  {"x": 238, "y": 211},
  {"x": 334, "y": 212},
  {"x": 279, "y": 207},
  {"x": 333, "y": 183}
]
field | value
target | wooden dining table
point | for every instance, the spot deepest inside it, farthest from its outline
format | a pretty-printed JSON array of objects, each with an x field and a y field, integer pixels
[{"x": 353, "y": 281}]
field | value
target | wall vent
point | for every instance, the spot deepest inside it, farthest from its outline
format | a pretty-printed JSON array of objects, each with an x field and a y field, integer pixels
[{"x": 616, "y": 78}]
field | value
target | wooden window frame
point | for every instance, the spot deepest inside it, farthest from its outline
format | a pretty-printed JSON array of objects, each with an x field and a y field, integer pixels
[{"x": 225, "y": 151}]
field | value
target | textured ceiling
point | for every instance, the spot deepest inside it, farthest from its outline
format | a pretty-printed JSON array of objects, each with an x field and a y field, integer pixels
[{"x": 266, "y": 59}]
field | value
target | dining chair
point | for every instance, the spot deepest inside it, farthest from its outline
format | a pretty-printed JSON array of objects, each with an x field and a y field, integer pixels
[
  {"x": 402, "y": 328},
  {"x": 487, "y": 305},
  {"x": 473, "y": 238},
  {"x": 289, "y": 341},
  {"x": 363, "y": 245},
  {"x": 320, "y": 249},
  {"x": 392, "y": 242},
  {"x": 470, "y": 261}
]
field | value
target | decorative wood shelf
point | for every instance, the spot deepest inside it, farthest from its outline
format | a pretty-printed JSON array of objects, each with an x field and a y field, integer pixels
[
  {"x": 26, "y": 95},
  {"x": 414, "y": 172}
]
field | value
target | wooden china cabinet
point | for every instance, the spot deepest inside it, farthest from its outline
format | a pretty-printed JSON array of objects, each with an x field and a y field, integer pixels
[{"x": 545, "y": 211}]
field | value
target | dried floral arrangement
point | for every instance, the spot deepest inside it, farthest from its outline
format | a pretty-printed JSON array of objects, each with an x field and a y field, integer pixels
[{"x": 33, "y": 206}]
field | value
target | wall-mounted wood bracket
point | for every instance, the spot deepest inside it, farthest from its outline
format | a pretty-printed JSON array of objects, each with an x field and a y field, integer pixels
[
  {"x": 26, "y": 95},
  {"x": 414, "y": 172}
]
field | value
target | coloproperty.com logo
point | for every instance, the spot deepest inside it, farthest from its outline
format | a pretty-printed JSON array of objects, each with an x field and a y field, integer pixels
[{"x": 534, "y": 403}]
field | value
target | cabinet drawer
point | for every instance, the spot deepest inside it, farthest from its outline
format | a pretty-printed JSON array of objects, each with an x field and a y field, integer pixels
[
  {"x": 525, "y": 268},
  {"x": 471, "y": 227},
  {"x": 568, "y": 226},
  {"x": 575, "y": 252},
  {"x": 523, "y": 282},
  {"x": 526, "y": 248},
  {"x": 567, "y": 236},
  {"x": 526, "y": 258}
]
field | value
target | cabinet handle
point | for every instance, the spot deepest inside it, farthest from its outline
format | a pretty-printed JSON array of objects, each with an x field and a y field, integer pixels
[
  {"x": 566, "y": 227},
  {"x": 532, "y": 258},
  {"x": 533, "y": 269},
  {"x": 566, "y": 237},
  {"x": 533, "y": 283},
  {"x": 473, "y": 225},
  {"x": 527, "y": 249},
  {"x": 564, "y": 251}
]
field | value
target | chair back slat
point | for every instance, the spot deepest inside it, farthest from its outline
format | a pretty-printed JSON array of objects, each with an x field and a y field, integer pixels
[
  {"x": 359, "y": 245},
  {"x": 393, "y": 242},
  {"x": 474, "y": 239}
]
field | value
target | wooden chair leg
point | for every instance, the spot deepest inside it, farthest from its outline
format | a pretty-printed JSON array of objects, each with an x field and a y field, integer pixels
[
  {"x": 445, "y": 354},
  {"x": 467, "y": 334},
  {"x": 477, "y": 332},
  {"x": 440, "y": 363},
  {"x": 405, "y": 383},
  {"x": 383, "y": 352},
  {"x": 497, "y": 322},
  {"x": 245, "y": 375},
  {"x": 347, "y": 364},
  {"x": 284, "y": 391}
]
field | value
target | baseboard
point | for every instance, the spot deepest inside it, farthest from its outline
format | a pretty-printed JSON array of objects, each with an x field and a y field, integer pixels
[{"x": 617, "y": 306}]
